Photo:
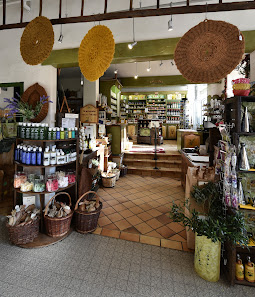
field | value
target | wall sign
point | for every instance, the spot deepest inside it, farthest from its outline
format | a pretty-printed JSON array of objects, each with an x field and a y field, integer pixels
[{"x": 89, "y": 114}]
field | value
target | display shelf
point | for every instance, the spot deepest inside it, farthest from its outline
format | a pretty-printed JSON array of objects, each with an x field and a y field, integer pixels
[
  {"x": 46, "y": 192},
  {"x": 41, "y": 166},
  {"x": 244, "y": 283},
  {"x": 41, "y": 140}
]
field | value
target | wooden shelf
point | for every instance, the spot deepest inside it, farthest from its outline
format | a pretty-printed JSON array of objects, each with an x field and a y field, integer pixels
[
  {"x": 41, "y": 166},
  {"x": 244, "y": 283},
  {"x": 46, "y": 192},
  {"x": 55, "y": 140}
]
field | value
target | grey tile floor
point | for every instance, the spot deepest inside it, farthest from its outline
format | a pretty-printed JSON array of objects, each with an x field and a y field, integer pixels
[{"x": 92, "y": 265}]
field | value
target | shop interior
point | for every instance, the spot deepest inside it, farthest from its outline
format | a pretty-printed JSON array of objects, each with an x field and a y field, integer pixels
[{"x": 139, "y": 151}]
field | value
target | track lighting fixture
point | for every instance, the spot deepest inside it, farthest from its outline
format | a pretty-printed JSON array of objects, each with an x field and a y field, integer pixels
[
  {"x": 149, "y": 68},
  {"x": 82, "y": 81},
  {"x": 136, "y": 75},
  {"x": 170, "y": 22},
  {"x": 60, "y": 39},
  {"x": 115, "y": 71},
  {"x": 172, "y": 63},
  {"x": 161, "y": 63},
  {"x": 131, "y": 45}
]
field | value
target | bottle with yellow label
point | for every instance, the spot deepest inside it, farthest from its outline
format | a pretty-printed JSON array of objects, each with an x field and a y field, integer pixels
[
  {"x": 249, "y": 271},
  {"x": 239, "y": 269}
]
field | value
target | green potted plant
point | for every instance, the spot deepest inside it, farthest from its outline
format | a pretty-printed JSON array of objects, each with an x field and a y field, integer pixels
[{"x": 211, "y": 229}]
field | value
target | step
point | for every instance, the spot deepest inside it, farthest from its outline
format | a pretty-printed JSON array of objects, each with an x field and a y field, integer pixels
[
  {"x": 150, "y": 156},
  {"x": 161, "y": 172},
  {"x": 151, "y": 163}
]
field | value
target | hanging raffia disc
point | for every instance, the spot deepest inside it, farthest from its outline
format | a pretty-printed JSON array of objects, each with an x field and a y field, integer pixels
[
  {"x": 37, "y": 41},
  {"x": 209, "y": 51},
  {"x": 96, "y": 52}
]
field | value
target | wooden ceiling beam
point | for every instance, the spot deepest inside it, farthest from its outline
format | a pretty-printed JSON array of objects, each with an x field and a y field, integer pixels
[{"x": 230, "y": 6}]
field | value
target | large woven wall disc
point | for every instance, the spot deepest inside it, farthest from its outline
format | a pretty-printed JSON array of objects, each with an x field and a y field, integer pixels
[
  {"x": 37, "y": 41},
  {"x": 96, "y": 52},
  {"x": 209, "y": 51}
]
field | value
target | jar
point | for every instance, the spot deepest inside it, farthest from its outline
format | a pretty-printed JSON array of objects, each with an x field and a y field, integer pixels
[
  {"x": 39, "y": 185},
  {"x": 19, "y": 179},
  {"x": 27, "y": 186},
  {"x": 52, "y": 183},
  {"x": 71, "y": 177},
  {"x": 62, "y": 179}
]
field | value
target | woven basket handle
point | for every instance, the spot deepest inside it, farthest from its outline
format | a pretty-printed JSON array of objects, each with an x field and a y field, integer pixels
[
  {"x": 89, "y": 192},
  {"x": 48, "y": 204}
]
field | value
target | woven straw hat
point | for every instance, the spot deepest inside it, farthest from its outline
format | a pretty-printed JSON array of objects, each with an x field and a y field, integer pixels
[
  {"x": 37, "y": 41},
  {"x": 209, "y": 51},
  {"x": 96, "y": 52}
]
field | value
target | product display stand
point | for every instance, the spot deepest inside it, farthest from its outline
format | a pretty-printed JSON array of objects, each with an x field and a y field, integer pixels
[{"x": 44, "y": 240}]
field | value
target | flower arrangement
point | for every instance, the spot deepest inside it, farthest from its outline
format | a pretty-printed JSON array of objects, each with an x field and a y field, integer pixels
[{"x": 20, "y": 108}]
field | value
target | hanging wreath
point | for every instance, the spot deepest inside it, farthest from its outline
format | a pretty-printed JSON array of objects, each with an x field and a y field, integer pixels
[
  {"x": 96, "y": 52},
  {"x": 37, "y": 41},
  {"x": 209, "y": 51}
]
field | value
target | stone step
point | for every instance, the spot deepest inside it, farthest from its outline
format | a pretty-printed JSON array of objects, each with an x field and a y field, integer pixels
[
  {"x": 161, "y": 172},
  {"x": 150, "y": 156},
  {"x": 151, "y": 163}
]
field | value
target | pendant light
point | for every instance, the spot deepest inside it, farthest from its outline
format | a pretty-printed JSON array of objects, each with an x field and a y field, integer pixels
[
  {"x": 149, "y": 68},
  {"x": 136, "y": 75},
  {"x": 170, "y": 22},
  {"x": 131, "y": 45},
  {"x": 60, "y": 39}
]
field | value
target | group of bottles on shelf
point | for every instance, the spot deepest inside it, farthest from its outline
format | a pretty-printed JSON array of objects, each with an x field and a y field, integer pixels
[
  {"x": 246, "y": 272},
  {"x": 86, "y": 144},
  {"x": 36, "y": 131},
  {"x": 34, "y": 155},
  {"x": 39, "y": 183}
]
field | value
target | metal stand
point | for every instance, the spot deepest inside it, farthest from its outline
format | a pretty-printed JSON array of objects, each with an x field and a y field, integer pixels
[{"x": 155, "y": 154}]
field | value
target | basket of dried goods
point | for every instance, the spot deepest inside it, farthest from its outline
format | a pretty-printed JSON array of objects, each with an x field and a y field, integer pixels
[
  {"x": 108, "y": 179},
  {"x": 123, "y": 170},
  {"x": 58, "y": 216},
  {"x": 23, "y": 224},
  {"x": 87, "y": 213},
  {"x": 241, "y": 86},
  {"x": 117, "y": 173}
]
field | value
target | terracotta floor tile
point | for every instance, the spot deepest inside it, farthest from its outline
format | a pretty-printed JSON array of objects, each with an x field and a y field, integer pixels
[
  {"x": 176, "y": 227},
  {"x": 147, "y": 199},
  {"x": 136, "y": 209},
  {"x": 185, "y": 247},
  {"x": 113, "y": 202},
  {"x": 129, "y": 204},
  {"x": 154, "y": 223},
  {"x": 110, "y": 233},
  {"x": 143, "y": 228},
  {"x": 163, "y": 209},
  {"x": 126, "y": 213},
  {"x": 116, "y": 195},
  {"x": 130, "y": 197},
  {"x": 103, "y": 221},
  {"x": 164, "y": 219},
  {"x": 138, "y": 201},
  {"x": 108, "y": 210},
  {"x": 183, "y": 234},
  {"x": 134, "y": 191},
  {"x": 154, "y": 212},
  {"x": 101, "y": 215},
  {"x": 171, "y": 244},
  {"x": 165, "y": 231},
  {"x": 145, "y": 206},
  {"x": 122, "y": 199},
  {"x": 144, "y": 216},
  {"x": 154, "y": 234},
  {"x": 132, "y": 230},
  {"x": 154, "y": 204},
  {"x": 150, "y": 240},
  {"x": 177, "y": 237},
  {"x": 119, "y": 207},
  {"x": 123, "y": 224},
  {"x": 97, "y": 231},
  {"x": 111, "y": 226},
  {"x": 134, "y": 220},
  {"x": 130, "y": 236},
  {"x": 115, "y": 217}
]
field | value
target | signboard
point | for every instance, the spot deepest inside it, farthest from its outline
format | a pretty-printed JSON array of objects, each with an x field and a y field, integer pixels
[{"x": 89, "y": 114}]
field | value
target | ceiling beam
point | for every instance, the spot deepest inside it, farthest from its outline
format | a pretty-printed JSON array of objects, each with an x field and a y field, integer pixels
[
  {"x": 149, "y": 50},
  {"x": 230, "y": 6}
]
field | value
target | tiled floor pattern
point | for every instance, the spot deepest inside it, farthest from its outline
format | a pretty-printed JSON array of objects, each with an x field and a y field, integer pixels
[
  {"x": 90, "y": 266},
  {"x": 137, "y": 209}
]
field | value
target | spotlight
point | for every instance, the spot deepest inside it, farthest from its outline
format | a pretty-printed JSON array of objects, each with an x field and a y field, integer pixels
[
  {"x": 82, "y": 80},
  {"x": 60, "y": 39},
  {"x": 161, "y": 63},
  {"x": 170, "y": 25},
  {"x": 149, "y": 68},
  {"x": 131, "y": 45},
  {"x": 136, "y": 76},
  {"x": 115, "y": 71},
  {"x": 172, "y": 63}
]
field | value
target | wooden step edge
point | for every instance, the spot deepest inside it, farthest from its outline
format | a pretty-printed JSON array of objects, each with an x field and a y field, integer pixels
[
  {"x": 151, "y": 169},
  {"x": 150, "y": 161},
  {"x": 152, "y": 154}
]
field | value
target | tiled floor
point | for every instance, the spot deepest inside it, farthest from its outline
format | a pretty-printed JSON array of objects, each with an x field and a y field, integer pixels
[
  {"x": 90, "y": 266},
  {"x": 137, "y": 209}
]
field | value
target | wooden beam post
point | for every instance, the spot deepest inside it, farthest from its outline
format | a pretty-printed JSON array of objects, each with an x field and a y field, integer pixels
[
  {"x": 105, "y": 6},
  {"x": 82, "y": 7},
  {"x": 131, "y": 5},
  {"x": 40, "y": 8},
  {"x": 4, "y": 11},
  {"x": 21, "y": 10},
  {"x": 60, "y": 9}
]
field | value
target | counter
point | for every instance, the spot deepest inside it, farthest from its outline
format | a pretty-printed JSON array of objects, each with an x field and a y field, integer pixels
[{"x": 180, "y": 136}]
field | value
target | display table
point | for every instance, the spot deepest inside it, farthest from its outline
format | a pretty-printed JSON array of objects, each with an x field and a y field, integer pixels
[{"x": 182, "y": 132}]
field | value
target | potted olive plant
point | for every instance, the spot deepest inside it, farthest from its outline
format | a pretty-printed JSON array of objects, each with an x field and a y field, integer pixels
[{"x": 212, "y": 229}]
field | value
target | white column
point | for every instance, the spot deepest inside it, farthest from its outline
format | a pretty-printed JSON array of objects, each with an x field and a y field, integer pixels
[{"x": 90, "y": 92}]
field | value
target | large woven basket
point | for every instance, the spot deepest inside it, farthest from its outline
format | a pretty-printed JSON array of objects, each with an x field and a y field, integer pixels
[
  {"x": 109, "y": 181},
  {"x": 23, "y": 234},
  {"x": 56, "y": 227},
  {"x": 86, "y": 222},
  {"x": 117, "y": 173}
]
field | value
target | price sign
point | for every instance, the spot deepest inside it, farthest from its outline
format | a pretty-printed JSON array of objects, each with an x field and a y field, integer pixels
[{"x": 89, "y": 114}]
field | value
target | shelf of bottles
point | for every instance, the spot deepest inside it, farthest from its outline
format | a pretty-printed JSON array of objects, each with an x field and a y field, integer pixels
[
  {"x": 173, "y": 111},
  {"x": 133, "y": 106},
  {"x": 114, "y": 104},
  {"x": 157, "y": 106},
  {"x": 184, "y": 117}
]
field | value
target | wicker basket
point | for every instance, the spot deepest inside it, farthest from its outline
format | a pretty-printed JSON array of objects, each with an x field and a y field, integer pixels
[
  {"x": 109, "y": 181},
  {"x": 56, "y": 227},
  {"x": 22, "y": 234},
  {"x": 86, "y": 222},
  {"x": 123, "y": 170},
  {"x": 117, "y": 173}
]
